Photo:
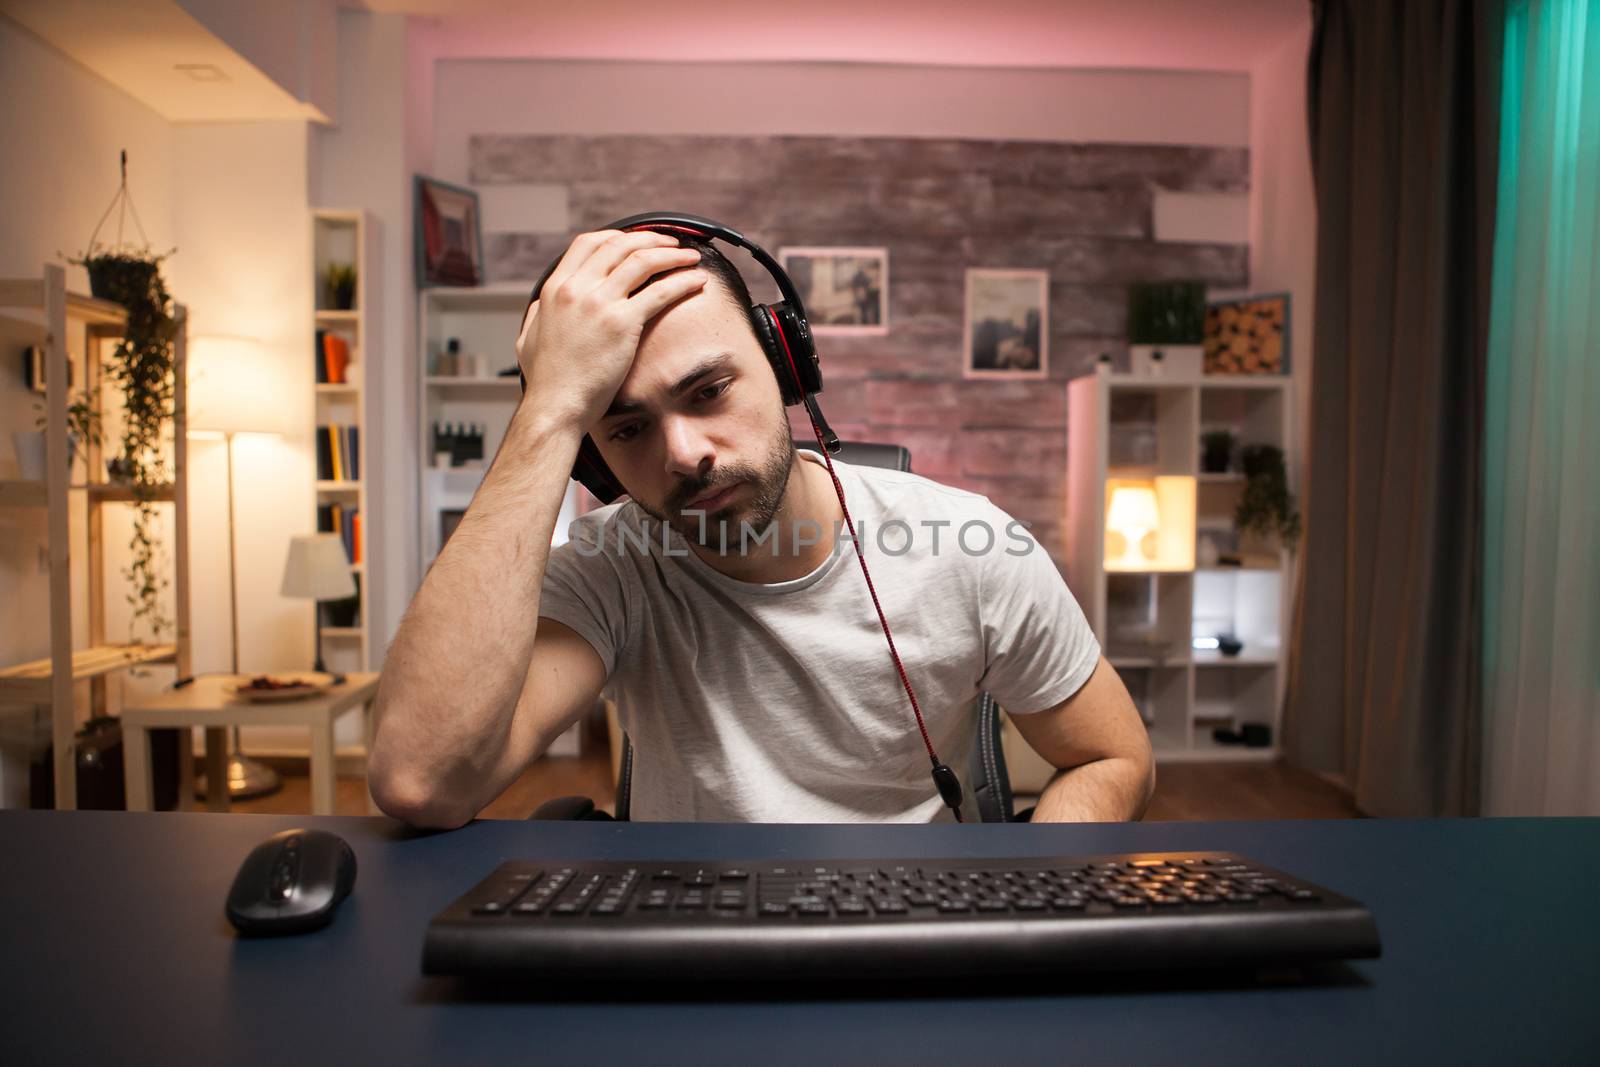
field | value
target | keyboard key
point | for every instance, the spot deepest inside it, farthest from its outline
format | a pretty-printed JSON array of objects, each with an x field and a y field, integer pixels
[
  {"x": 888, "y": 905},
  {"x": 735, "y": 874},
  {"x": 949, "y": 905}
]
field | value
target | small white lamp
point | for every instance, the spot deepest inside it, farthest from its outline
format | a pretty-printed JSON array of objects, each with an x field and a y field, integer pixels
[
  {"x": 1133, "y": 514},
  {"x": 318, "y": 570}
]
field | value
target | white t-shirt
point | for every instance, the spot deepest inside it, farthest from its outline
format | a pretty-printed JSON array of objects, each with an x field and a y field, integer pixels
[{"x": 780, "y": 703}]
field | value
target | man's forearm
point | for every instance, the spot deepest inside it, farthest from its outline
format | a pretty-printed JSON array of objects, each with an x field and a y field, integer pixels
[
  {"x": 455, "y": 669},
  {"x": 1116, "y": 789}
]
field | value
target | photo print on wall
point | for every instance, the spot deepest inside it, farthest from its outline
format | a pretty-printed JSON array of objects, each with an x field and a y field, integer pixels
[
  {"x": 1007, "y": 323},
  {"x": 845, "y": 290}
]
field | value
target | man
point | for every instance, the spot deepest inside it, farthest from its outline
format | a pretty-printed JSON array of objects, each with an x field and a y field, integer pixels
[{"x": 716, "y": 604}]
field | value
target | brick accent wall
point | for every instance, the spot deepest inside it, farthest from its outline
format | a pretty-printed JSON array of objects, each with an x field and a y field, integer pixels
[{"x": 1080, "y": 211}]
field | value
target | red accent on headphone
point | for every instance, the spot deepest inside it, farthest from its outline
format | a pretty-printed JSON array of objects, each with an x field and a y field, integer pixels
[
  {"x": 668, "y": 226},
  {"x": 794, "y": 372}
]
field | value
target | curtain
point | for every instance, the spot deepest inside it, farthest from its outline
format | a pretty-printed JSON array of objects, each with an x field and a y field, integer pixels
[
  {"x": 1541, "y": 568},
  {"x": 1384, "y": 686}
]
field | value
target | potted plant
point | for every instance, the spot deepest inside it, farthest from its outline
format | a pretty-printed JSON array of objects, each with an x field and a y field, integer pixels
[
  {"x": 83, "y": 427},
  {"x": 1216, "y": 451},
  {"x": 1166, "y": 327},
  {"x": 341, "y": 281},
  {"x": 1266, "y": 506},
  {"x": 142, "y": 365}
]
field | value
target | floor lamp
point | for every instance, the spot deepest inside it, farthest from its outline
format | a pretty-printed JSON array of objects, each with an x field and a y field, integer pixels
[{"x": 224, "y": 401}]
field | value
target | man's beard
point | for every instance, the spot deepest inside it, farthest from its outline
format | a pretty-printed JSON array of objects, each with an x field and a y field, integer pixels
[{"x": 721, "y": 530}]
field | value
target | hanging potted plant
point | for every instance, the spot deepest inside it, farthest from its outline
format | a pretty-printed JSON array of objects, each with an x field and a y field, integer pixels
[{"x": 142, "y": 365}]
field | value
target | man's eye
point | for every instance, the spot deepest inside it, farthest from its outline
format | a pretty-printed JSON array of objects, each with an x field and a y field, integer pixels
[
  {"x": 626, "y": 432},
  {"x": 711, "y": 392}
]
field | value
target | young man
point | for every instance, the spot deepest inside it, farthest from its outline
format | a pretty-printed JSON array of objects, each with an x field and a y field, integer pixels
[{"x": 729, "y": 622}]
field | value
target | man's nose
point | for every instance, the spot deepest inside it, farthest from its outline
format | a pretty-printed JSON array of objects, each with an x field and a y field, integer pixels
[{"x": 689, "y": 453}]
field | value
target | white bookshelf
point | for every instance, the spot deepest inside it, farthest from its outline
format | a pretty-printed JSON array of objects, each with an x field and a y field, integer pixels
[
  {"x": 485, "y": 320},
  {"x": 1123, "y": 426},
  {"x": 346, "y": 237}
]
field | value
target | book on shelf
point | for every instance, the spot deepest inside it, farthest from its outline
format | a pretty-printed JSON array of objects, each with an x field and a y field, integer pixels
[
  {"x": 338, "y": 453},
  {"x": 332, "y": 358},
  {"x": 346, "y": 522}
]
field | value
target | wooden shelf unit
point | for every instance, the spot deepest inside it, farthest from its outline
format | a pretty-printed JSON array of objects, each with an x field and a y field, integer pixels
[
  {"x": 346, "y": 236},
  {"x": 1121, "y": 426},
  {"x": 51, "y": 681}
]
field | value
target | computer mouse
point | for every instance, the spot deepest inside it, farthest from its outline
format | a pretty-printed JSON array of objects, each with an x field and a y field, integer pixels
[{"x": 291, "y": 883}]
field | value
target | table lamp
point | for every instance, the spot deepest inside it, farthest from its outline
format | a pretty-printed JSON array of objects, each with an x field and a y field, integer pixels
[
  {"x": 1133, "y": 514},
  {"x": 318, "y": 570},
  {"x": 228, "y": 377}
]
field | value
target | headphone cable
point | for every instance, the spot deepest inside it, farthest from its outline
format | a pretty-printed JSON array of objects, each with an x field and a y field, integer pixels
[{"x": 944, "y": 779}]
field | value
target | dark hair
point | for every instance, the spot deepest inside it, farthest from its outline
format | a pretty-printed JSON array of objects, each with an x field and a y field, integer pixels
[{"x": 713, "y": 262}]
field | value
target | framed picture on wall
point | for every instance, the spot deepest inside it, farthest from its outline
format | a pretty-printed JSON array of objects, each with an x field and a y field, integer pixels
[
  {"x": 449, "y": 235},
  {"x": 845, "y": 290},
  {"x": 1248, "y": 335},
  {"x": 1007, "y": 323}
]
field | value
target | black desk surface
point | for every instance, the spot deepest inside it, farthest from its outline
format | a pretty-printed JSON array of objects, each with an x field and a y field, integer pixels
[{"x": 115, "y": 951}]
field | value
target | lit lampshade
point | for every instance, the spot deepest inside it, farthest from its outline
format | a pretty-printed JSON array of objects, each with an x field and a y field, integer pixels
[
  {"x": 1133, "y": 513},
  {"x": 318, "y": 568},
  {"x": 233, "y": 386}
]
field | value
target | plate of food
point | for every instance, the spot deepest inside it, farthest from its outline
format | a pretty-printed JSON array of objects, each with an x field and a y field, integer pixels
[{"x": 267, "y": 688}]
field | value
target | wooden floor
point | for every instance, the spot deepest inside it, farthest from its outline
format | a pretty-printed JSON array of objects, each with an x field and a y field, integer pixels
[{"x": 1184, "y": 791}]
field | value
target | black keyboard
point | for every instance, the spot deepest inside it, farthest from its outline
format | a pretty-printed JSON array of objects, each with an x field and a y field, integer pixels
[{"x": 762, "y": 921}]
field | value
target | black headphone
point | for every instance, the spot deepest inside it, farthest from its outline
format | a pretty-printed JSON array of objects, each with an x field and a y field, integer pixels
[{"x": 782, "y": 329}]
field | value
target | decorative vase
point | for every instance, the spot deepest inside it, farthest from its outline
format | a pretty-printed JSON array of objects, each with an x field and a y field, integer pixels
[{"x": 29, "y": 445}]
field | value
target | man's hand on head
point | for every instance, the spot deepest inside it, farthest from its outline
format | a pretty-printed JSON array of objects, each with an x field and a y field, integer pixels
[{"x": 579, "y": 338}]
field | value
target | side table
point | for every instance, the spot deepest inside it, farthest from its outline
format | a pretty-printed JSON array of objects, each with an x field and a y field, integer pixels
[{"x": 209, "y": 702}]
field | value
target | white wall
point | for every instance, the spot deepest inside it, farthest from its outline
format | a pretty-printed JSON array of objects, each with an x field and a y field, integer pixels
[
  {"x": 831, "y": 99},
  {"x": 362, "y": 162},
  {"x": 1283, "y": 219},
  {"x": 245, "y": 271}
]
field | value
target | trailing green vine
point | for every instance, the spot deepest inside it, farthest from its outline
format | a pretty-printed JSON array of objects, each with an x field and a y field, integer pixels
[{"x": 142, "y": 364}]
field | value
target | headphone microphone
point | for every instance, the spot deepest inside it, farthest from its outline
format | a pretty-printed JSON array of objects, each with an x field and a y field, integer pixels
[{"x": 785, "y": 338}]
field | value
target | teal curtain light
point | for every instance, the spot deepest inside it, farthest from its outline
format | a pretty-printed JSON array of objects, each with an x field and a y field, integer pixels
[{"x": 1541, "y": 567}]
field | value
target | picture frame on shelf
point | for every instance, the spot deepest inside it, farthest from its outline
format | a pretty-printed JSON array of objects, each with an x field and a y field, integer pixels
[
  {"x": 1007, "y": 324},
  {"x": 449, "y": 234},
  {"x": 33, "y": 369},
  {"x": 845, "y": 290},
  {"x": 1248, "y": 335}
]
